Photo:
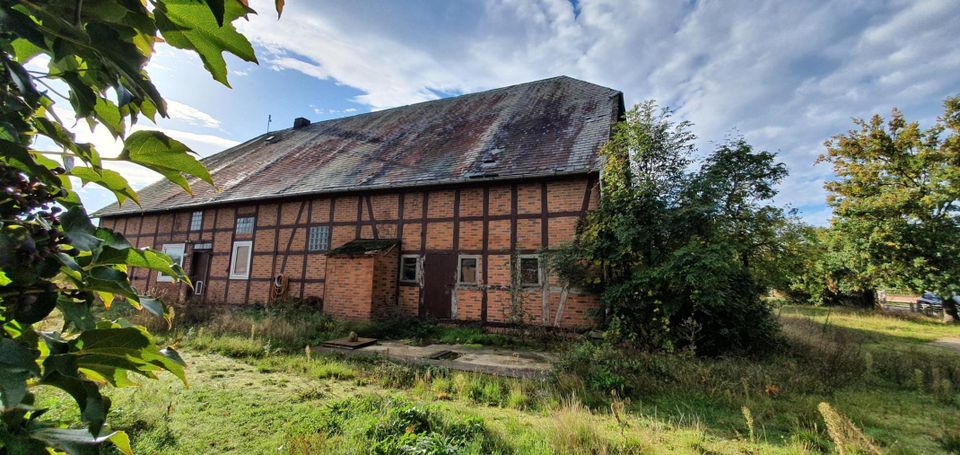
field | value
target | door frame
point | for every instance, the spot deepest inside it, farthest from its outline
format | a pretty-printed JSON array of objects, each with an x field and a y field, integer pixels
[
  {"x": 202, "y": 282},
  {"x": 447, "y": 262}
]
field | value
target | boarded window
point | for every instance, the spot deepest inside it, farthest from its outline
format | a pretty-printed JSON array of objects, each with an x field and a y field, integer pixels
[
  {"x": 409, "y": 269},
  {"x": 529, "y": 270},
  {"x": 245, "y": 225},
  {"x": 240, "y": 260},
  {"x": 468, "y": 270},
  {"x": 319, "y": 238},
  {"x": 196, "y": 221}
]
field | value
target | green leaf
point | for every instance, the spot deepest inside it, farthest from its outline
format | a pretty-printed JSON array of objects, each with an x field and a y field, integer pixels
[
  {"x": 156, "y": 307},
  {"x": 76, "y": 314},
  {"x": 78, "y": 229},
  {"x": 24, "y": 50},
  {"x": 109, "y": 116},
  {"x": 217, "y": 7},
  {"x": 82, "y": 97},
  {"x": 157, "y": 151},
  {"x": 8, "y": 132},
  {"x": 108, "y": 179},
  {"x": 192, "y": 25},
  {"x": 109, "y": 279},
  {"x": 17, "y": 364},
  {"x": 31, "y": 309},
  {"x": 3, "y": 279},
  {"x": 21, "y": 79},
  {"x": 127, "y": 349},
  {"x": 77, "y": 442}
]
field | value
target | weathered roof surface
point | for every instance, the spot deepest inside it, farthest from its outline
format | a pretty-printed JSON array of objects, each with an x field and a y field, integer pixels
[
  {"x": 361, "y": 247},
  {"x": 542, "y": 128}
]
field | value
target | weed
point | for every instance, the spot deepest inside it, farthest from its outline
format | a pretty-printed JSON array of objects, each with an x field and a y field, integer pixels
[
  {"x": 845, "y": 435},
  {"x": 575, "y": 431},
  {"x": 748, "y": 417}
]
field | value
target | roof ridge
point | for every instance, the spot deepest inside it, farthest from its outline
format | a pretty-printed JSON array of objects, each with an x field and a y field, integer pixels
[{"x": 454, "y": 98}]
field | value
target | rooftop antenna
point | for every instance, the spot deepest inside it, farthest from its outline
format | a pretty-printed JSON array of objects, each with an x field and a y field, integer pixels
[{"x": 269, "y": 119}]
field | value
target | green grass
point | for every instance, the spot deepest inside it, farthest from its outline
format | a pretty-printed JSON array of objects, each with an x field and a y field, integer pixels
[
  {"x": 903, "y": 328},
  {"x": 261, "y": 393}
]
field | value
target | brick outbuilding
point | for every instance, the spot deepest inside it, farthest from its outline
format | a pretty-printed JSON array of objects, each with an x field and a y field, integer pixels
[{"x": 440, "y": 210}]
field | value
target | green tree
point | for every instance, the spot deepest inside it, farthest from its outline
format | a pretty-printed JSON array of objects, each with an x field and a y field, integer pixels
[
  {"x": 52, "y": 258},
  {"x": 675, "y": 254},
  {"x": 895, "y": 202}
]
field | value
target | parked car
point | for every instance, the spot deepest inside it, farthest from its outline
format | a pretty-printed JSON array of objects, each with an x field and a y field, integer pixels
[{"x": 934, "y": 302}]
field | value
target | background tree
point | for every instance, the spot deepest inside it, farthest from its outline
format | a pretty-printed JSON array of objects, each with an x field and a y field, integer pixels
[
  {"x": 895, "y": 202},
  {"x": 52, "y": 257},
  {"x": 675, "y": 254}
]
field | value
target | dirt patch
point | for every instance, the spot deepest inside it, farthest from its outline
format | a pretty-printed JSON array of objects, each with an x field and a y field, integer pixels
[{"x": 949, "y": 343}]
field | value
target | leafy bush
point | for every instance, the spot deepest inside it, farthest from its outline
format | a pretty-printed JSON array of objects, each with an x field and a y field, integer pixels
[
  {"x": 680, "y": 257},
  {"x": 381, "y": 425}
]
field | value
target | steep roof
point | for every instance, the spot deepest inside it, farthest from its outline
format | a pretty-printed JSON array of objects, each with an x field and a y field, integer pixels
[{"x": 548, "y": 127}]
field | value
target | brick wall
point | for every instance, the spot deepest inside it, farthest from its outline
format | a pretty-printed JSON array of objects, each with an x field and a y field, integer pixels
[
  {"x": 489, "y": 220},
  {"x": 349, "y": 288}
]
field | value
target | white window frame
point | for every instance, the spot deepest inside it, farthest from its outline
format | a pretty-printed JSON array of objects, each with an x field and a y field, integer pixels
[
  {"x": 416, "y": 257},
  {"x": 233, "y": 259},
  {"x": 519, "y": 271},
  {"x": 193, "y": 216},
  {"x": 168, "y": 248},
  {"x": 253, "y": 224},
  {"x": 324, "y": 243},
  {"x": 460, "y": 264}
]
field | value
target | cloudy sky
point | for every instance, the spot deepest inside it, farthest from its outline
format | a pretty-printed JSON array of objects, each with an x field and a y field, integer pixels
[{"x": 786, "y": 75}]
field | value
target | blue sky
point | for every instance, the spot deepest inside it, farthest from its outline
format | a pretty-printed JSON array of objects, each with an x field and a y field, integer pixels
[{"x": 786, "y": 75}]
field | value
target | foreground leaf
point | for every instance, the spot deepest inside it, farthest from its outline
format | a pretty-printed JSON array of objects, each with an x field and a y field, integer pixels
[
  {"x": 163, "y": 154},
  {"x": 193, "y": 26}
]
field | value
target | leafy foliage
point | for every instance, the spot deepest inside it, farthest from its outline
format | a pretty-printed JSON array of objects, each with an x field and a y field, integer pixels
[
  {"x": 678, "y": 255},
  {"x": 896, "y": 219},
  {"x": 52, "y": 257}
]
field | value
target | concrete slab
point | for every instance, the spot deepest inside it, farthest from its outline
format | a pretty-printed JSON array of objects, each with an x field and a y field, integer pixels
[{"x": 502, "y": 362}]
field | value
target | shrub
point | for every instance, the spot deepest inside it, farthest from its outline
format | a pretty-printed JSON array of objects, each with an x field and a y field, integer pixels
[{"x": 379, "y": 425}]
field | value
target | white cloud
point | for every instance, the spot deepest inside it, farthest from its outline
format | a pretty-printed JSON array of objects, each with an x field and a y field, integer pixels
[
  {"x": 787, "y": 74},
  {"x": 191, "y": 115}
]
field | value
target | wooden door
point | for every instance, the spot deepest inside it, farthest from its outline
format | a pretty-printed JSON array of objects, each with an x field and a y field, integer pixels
[
  {"x": 439, "y": 279},
  {"x": 199, "y": 268}
]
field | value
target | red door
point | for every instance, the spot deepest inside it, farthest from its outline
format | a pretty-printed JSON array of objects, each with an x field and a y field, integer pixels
[{"x": 439, "y": 279}]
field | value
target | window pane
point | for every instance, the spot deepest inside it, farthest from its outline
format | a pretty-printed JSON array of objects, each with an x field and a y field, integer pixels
[
  {"x": 408, "y": 269},
  {"x": 175, "y": 251},
  {"x": 468, "y": 270},
  {"x": 319, "y": 239},
  {"x": 196, "y": 221},
  {"x": 242, "y": 261},
  {"x": 245, "y": 225},
  {"x": 529, "y": 271}
]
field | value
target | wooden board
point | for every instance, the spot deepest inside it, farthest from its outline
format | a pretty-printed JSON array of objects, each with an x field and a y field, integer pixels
[{"x": 345, "y": 343}]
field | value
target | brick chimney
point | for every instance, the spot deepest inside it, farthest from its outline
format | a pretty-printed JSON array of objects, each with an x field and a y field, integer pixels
[{"x": 300, "y": 122}]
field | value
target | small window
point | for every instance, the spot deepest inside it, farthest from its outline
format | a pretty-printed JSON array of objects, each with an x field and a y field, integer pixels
[
  {"x": 319, "y": 239},
  {"x": 410, "y": 268},
  {"x": 245, "y": 225},
  {"x": 175, "y": 251},
  {"x": 240, "y": 260},
  {"x": 469, "y": 273},
  {"x": 529, "y": 270},
  {"x": 196, "y": 221}
]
